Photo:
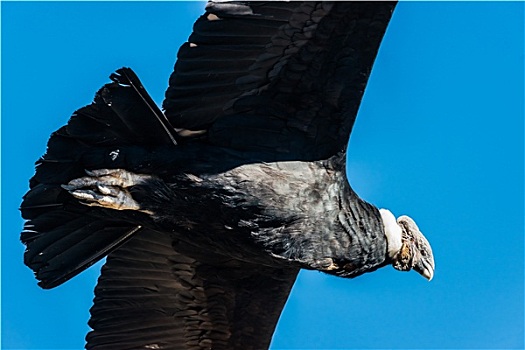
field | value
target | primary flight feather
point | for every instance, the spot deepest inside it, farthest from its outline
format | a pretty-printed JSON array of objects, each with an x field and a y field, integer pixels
[{"x": 207, "y": 211}]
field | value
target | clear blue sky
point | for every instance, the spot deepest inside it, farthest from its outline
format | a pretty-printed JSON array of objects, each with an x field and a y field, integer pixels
[{"x": 439, "y": 137}]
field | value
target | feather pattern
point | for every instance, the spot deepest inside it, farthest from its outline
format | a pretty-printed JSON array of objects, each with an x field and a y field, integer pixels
[
  {"x": 62, "y": 236},
  {"x": 298, "y": 84},
  {"x": 151, "y": 296}
]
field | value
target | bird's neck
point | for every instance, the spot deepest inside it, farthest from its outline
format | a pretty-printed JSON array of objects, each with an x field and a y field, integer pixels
[
  {"x": 360, "y": 231},
  {"x": 357, "y": 207}
]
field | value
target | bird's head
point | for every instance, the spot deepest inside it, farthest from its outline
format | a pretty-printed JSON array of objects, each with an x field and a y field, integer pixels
[{"x": 407, "y": 247}]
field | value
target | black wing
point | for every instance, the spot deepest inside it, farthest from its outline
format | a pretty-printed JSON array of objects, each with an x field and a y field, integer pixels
[
  {"x": 280, "y": 77},
  {"x": 151, "y": 296}
]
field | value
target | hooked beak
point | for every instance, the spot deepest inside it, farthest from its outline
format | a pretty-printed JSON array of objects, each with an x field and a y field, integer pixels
[{"x": 425, "y": 267}]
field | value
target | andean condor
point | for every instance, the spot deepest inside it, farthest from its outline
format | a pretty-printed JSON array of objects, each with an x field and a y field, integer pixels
[{"x": 207, "y": 211}]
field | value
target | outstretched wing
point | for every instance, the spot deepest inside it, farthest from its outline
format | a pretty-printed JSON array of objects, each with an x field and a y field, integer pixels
[
  {"x": 151, "y": 296},
  {"x": 278, "y": 77}
]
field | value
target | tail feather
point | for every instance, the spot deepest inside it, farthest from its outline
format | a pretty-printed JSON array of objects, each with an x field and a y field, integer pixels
[
  {"x": 132, "y": 103},
  {"x": 81, "y": 255},
  {"x": 62, "y": 236}
]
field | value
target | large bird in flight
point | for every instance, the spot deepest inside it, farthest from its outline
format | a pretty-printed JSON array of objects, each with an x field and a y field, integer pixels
[{"x": 207, "y": 211}]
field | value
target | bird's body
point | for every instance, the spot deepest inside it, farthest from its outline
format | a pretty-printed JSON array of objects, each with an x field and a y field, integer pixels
[
  {"x": 268, "y": 206},
  {"x": 208, "y": 211}
]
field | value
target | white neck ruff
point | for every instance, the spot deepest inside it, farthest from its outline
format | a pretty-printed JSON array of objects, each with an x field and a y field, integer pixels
[{"x": 392, "y": 232}]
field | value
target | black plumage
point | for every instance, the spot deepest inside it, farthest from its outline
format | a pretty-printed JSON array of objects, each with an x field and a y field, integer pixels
[{"x": 209, "y": 210}]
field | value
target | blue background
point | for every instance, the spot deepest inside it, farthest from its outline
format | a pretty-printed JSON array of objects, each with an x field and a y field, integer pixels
[{"x": 439, "y": 137}]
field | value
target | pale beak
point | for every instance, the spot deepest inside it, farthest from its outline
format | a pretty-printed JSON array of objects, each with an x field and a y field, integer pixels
[{"x": 425, "y": 268}]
